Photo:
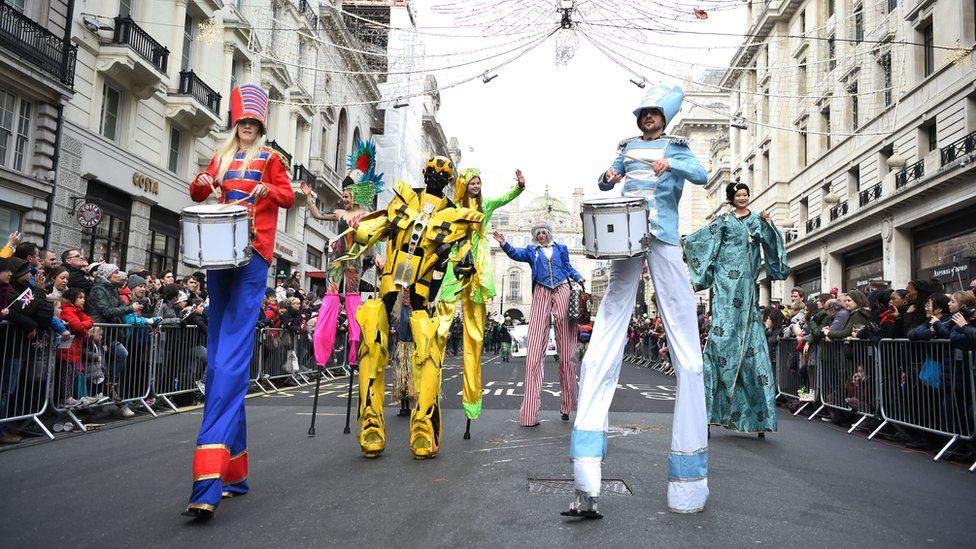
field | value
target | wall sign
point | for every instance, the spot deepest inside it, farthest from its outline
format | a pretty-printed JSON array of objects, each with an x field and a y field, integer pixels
[
  {"x": 145, "y": 183},
  {"x": 89, "y": 214}
]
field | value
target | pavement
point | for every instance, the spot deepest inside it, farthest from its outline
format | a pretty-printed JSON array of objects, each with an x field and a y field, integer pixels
[{"x": 809, "y": 485}]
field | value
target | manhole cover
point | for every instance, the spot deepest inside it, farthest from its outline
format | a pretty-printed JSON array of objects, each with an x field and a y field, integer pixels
[{"x": 610, "y": 486}]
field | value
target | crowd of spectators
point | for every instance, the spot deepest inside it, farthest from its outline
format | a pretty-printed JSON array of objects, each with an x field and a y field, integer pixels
[{"x": 94, "y": 320}]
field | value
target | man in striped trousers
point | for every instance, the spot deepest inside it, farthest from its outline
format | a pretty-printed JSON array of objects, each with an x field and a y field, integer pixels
[{"x": 551, "y": 272}]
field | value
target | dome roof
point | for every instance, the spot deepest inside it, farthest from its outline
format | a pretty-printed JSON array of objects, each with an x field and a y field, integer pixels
[{"x": 541, "y": 204}]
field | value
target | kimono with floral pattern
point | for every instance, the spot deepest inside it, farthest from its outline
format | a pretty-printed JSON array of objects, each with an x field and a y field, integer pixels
[{"x": 740, "y": 391}]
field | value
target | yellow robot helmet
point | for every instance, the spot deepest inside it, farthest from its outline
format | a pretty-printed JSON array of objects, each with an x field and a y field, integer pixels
[{"x": 440, "y": 167}]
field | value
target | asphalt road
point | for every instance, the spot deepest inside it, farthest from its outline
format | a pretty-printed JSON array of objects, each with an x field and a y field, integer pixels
[{"x": 809, "y": 485}]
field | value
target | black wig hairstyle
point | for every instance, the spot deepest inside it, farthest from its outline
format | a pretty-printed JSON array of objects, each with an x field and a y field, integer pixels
[{"x": 733, "y": 188}]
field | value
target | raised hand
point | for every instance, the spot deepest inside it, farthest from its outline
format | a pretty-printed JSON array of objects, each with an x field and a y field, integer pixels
[
  {"x": 204, "y": 179},
  {"x": 499, "y": 237},
  {"x": 519, "y": 178},
  {"x": 306, "y": 189},
  {"x": 612, "y": 177}
]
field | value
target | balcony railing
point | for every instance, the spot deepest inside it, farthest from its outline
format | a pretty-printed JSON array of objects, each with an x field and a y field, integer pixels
[
  {"x": 910, "y": 174},
  {"x": 958, "y": 148},
  {"x": 301, "y": 173},
  {"x": 839, "y": 210},
  {"x": 813, "y": 224},
  {"x": 132, "y": 35},
  {"x": 37, "y": 45},
  {"x": 309, "y": 13},
  {"x": 190, "y": 84},
  {"x": 869, "y": 195},
  {"x": 790, "y": 236},
  {"x": 274, "y": 145}
]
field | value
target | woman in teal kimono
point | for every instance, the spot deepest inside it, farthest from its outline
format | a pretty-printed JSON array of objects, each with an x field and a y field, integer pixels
[{"x": 740, "y": 390}]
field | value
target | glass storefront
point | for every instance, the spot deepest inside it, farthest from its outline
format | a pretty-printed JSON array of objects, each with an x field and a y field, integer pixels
[
  {"x": 808, "y": 280},
  {"x": 947, "y": 251},
  {"x": 164, "y": 242},
  {"x": 108, "y": 240},
  {"x": 10, "y": 220},
  {"x": 863, "y": 267}
]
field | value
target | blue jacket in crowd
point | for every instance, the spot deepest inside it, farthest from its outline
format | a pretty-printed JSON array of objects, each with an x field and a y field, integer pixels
[{"x": 545, "y": 271}]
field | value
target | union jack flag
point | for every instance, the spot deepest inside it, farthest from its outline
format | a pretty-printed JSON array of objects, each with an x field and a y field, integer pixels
[{"x": 25, "y": 298}]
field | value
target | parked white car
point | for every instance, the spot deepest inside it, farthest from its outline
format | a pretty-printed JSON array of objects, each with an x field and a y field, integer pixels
[{"x": 520, "y": 334}]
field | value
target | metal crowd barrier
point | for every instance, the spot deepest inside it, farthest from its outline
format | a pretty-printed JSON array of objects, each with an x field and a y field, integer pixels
[
  {"x": 794, "y": 372},
  {"x": 929, "y": 386},
  {"x": 181, "y": 362},
  {"x": 848, "y": 379},
  {"x": 276, "y": 344},
  {"x": 25, "y": 376}
]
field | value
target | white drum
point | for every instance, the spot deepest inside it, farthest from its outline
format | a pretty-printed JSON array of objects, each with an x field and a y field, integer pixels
[
  {"x": 215, "y": 236},
  {"x": 615, "y": 228}
]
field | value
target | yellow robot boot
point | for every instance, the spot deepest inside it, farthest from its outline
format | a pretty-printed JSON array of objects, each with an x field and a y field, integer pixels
[
  {"x": 425, "y": 422},
  {"x": 373, "y": 356}
]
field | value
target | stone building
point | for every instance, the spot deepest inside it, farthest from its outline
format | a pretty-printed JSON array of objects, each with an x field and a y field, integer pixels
[
  {"x": 151, "y": 107},
  {"x": 37, "y": 76},
  {"x": 859, "y": 144}
]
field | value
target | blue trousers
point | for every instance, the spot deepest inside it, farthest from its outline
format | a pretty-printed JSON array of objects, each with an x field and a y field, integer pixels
[{"x": 220, "y": 460}]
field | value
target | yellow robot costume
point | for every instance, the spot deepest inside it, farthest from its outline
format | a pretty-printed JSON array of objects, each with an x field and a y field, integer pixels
[{"x": 420, "y": 229}]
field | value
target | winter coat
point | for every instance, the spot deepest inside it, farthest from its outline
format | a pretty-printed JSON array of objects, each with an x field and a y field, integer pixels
[
  {"x": 857, "y": 317},
  {"x": 104, "y": 304},
  {"x": 77, "y": 279},
  {"x": 78, "y": 324}
]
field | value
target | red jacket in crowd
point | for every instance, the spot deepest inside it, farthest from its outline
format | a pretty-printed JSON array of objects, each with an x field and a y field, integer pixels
[{"x": 78, "y": 324}]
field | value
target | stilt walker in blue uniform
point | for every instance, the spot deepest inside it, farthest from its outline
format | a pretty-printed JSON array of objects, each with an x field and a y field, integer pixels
[{"x": 244, "y": 170}]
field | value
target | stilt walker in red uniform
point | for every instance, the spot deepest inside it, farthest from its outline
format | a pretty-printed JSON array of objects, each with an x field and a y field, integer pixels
[{"x": 243, "y": 170}]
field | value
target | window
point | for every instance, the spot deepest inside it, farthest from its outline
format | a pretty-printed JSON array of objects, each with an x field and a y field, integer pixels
[
  {"x": 313, "y": 257},
  {"x": 275, "y": 14},
  {"x": 187, "y": 43},
  {"x": 803, "y": 22},
  {"x": 125, "y": 8},
  {"x": 15, "y": 124},
  {"x": 853, "y": 181},
  {"x": 830, "y": 8},
  {"x": 892, "y": 5},
  {"x": 515, "y": 286},
  {"x": 10, "y": 220},
  {"x": 859, "y": 23},
  {"x": 163, "y": 252},
  {"x": 111, "y": 112},
  {"x": 175, "y": 144},
  {"x": 825, "y": 124},
  {"x": 19, "y": 5},
  {"x": 802, "y": 146},
  {"x": 106, "y": 241},
  {"x": 883, "y": 156},
  {"x": 831, "y": 53},
  {"x": 854, "y": 114},
  {"x": 885, "y": 63},
  {"x": 764, "y": 166},
  {"x": 931, "y": 137},
  {"x": 300, "y": 66},
  {"x": 928, "y": 50},
  {"x": 801, "y": 78}
]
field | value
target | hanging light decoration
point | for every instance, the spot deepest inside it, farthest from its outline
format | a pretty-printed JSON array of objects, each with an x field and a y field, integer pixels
[{"x": 567, "y": 42}]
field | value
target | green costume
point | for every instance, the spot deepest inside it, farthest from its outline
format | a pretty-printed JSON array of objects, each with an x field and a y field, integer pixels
[{"x": 740, "y": 390}]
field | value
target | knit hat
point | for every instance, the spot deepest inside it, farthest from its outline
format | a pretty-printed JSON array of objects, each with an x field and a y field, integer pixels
[
  {"x": 134, "y": 280},
  {"x": 106, "y": 270},
  {"x": 182, "y": 297},
  {"x": 539, "y": 227}
]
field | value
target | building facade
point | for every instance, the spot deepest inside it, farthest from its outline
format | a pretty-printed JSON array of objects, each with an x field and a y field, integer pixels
[
  {"x": 859, "y": 131},
  {"x": 37, "y": 76},
  {"x": 151, "y": 107}
]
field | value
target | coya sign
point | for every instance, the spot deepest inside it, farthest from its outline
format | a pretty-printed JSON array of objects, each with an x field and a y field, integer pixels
[
  {"x": 89, "y": 215},
  {"x": 145, "y": 183}
]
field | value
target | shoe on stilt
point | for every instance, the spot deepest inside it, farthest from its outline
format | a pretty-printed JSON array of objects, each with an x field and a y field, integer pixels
[
  {"x": 762, "y": 435},
  {"x": 198, "y": 514},
  {"x": 584, "y": 506},
  {"x": 565, "y": 417}
]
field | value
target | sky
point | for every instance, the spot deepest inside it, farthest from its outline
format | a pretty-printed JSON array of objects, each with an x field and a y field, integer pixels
[{"x": 559, "y": 124}]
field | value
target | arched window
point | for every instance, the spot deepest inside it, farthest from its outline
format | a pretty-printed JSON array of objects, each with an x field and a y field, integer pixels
[
  {"x": 515, "y": 285},
  {"x": 355, "y": 136}
]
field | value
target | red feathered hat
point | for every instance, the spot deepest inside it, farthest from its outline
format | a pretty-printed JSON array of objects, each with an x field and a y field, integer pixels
[{"x": 249, "y": 101}]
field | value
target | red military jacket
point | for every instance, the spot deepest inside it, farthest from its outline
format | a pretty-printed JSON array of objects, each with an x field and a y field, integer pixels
[{"x": 268, "y": 168}]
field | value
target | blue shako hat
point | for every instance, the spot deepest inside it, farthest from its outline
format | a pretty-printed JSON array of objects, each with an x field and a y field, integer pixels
[{"x": 665, "y": 99}]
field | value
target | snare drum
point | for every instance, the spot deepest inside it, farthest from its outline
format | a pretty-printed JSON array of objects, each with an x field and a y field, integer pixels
[
  {"x": 615, "y": 228},
  {"x": 215, "y": 236}
]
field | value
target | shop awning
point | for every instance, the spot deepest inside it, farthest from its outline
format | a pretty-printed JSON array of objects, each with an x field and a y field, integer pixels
[{"x": 315, "y": 274}]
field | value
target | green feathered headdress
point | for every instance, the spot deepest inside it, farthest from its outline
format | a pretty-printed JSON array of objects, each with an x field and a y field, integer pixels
[{"x": 363, "y": 181}]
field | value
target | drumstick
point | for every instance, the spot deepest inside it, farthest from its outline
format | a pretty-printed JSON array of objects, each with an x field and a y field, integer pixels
[
  {"x": 235, "y": 203},
  {"x": 635, "y": 159}
]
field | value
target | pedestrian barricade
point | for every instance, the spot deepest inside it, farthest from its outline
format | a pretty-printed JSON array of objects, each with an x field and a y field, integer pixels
[
  {"x": 25, "y": 375},
  {"x": 847, "y": 379},
  {"x": 795, "y": 372},
  {"x": 928, "y": 385},
  {"x": 181, "y": 362},
  {"x": 278, "y": 359}
]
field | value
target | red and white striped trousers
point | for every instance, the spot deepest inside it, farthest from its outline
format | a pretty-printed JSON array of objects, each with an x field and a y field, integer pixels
[{"x": 549, "y": 305}]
